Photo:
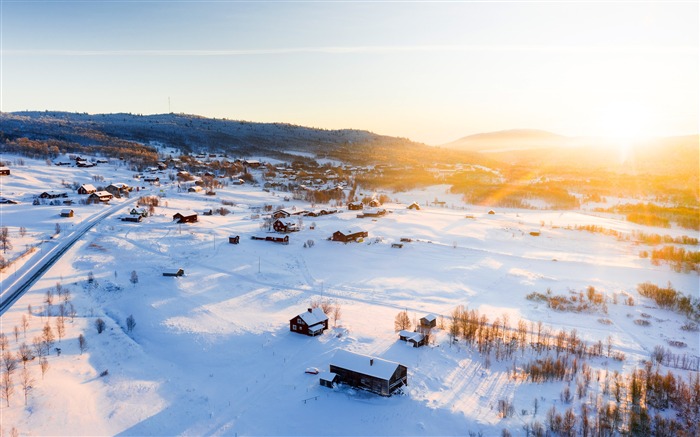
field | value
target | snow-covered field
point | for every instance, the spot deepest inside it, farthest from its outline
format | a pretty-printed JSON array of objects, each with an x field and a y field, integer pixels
[{"x": 212, "y": 354}]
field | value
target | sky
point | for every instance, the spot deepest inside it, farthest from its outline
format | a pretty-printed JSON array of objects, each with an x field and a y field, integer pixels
[{"x": 429, "y": 71}]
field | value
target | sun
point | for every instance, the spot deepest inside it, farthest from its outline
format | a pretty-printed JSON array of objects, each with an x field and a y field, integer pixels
[{"x": 625, "y": 121}]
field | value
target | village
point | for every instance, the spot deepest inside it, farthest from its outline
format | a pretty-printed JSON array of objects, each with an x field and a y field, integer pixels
[{"x": 326, "y": 295}]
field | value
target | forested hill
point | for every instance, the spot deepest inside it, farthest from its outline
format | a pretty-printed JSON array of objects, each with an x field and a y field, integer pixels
[{"x": 194, "y": 134}]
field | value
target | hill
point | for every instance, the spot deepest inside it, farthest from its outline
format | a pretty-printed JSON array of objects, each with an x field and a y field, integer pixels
[{"x": 508, "y": 140}]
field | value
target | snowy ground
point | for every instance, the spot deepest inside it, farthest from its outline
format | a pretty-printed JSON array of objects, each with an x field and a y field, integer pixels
[{"x": 212, "y": 354}]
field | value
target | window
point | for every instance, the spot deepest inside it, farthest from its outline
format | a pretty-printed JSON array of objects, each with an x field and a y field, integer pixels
[{"x": 294, "y": 327}]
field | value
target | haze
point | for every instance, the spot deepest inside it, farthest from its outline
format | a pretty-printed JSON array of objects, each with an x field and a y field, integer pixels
[{"x": 429, "y": 72}]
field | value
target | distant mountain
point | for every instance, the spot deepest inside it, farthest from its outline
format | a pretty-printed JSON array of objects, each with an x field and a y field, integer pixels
[{"x": 515, "y": 139}]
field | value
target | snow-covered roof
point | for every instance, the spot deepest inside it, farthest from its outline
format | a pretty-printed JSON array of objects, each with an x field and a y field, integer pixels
[
  {"x": 408, "y": 335},
  {"x": 352, "y": 231},
  {"x": 88, "y": 187},
  {"x": 364, "y": 364},
  {"x": 327, "y": 376},
  {"x": 313, "y": 317},
  {"x": 429, "y": 317},
  {"x": 185, "y": 213},
  {"x": 102, "y": 193}
]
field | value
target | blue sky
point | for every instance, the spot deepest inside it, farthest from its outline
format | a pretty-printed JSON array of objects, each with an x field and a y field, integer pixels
[{"x": 432, "y": 72}]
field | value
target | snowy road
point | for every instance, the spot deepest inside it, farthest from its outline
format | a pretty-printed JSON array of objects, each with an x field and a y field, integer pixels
[{"x": 37, "y": 265}]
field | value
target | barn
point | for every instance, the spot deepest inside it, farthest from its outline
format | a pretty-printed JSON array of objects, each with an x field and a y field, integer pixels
[
  {"x": 351, "y": 235},
  {"x": 312, "y": 322},
  {"x": 369, "y": 373}
]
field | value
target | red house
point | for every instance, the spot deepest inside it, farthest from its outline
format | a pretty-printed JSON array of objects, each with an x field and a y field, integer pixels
[{"x": 313, "y": 322}]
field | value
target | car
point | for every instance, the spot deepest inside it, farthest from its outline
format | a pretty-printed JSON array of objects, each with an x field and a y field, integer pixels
[{"x": 311, "y": 370}]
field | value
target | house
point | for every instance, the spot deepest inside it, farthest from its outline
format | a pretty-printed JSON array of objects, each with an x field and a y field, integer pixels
[
  {"x": 414, "y": 338},
  {"x": 351, "y": 235},
  {"x": 132, "y": 218},
  {"x": 52, "y": 195},
  {"x": 281, "y": 213},
  {"x": 355, "y": 206},
  {"x": 234, "y": 240},
  {"x": 414, "y": 206},
  {"x": 66, "y": 213},
  {"x": 208, "y": 211},
  {"x": 116, "y": 189},
  {"x": 427, "y": 322},
  {"x": 99, "y": 196},
  {"x": 4, "y": 171},
  {"x": 151, "y": 179},
  {"x": 374, "y": 203},
  {"x": 491, "y": 212},
  {"x": 397, "y": 245},
  {"x": 285, "y": 226},
  {"x": 87, "y": 189},
  {"x": 139, "y": 211},
  {"x": 373, "y": 213},
  {"x": 312, "y": 322},
  {"x": 176, "y": 272},
  {"x": 194, "y": 189},
  {"x": 369, "y": 373},
  {"x": 185, "y": 217}
]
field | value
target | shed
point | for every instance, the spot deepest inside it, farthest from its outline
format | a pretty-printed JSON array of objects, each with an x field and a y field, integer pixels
[
  {"x": 428, "y": 321},
  {"x": 369, "y": 373},
  {"x": 234, "y": 240},
  {"x": 355, "y": 206},
  {"x": 66, "y": 213},
  {"x": 415, "y": 206},
  {"x": 176, "y": 272},
  {"x": 328, "y": 379},
  {"x": 4, "y": 171}
]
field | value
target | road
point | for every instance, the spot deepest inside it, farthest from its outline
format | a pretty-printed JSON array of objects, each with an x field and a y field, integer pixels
[{"x": 42, "y": 261}]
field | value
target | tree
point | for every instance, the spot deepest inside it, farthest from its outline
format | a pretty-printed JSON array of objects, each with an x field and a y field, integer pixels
[
  {"x": 99, "y": 325},
  {"x": 5, "y": 239},
  {"x": 9, "y": 363},
  {"x": 4, "y": 343},
  {"x": 49, "y": 300},
  {"x": 26, "y": 380},
  {"x": 7, "y": 388},
  {"x": 16, "y": 331},
  {"x": 44, "y": 366},
  {"x": 60, "y": 328},
  {"x": 337, "y": 313},
  {"x": 58, "y": 228},
  {"x": 134, "y": 279},
  {"x": 402, "y": 321},
  {"x": 130, "y": 323},
  {"x": 47, "y": 337},
  {"x": 25, "y": 325},
  {"x": 22, "y": 231},
  {"x": 25, "y": 354},
  {"x": 82, "y": 343}
]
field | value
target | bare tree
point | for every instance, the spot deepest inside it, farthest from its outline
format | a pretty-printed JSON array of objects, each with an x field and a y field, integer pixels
[
  {"x": 22, "y": 231},
  {"x": 9, "y": 363},
  {"x": 25, "y": 325},
  {"x": 134, "y": 279},
  {"x": 49, "y": 300},
  {"x": 58, "y": 228},
  {"x": 4, "y": 343},
  {"x": 337, "y": 313},
  {"x": 25, "y": 354},
  {"x": 5, "y": 239},
  {"x": 44, "y": 366},
  {"x": 16, "y": 331},
  {"x": 60, "y": 328},
  {"x": 38, "y": 346},
  {"x": 82, "y": 343},
  {"x": 402, "y": 321},
  {"x": 130, "y": 323},
  {"x": 47, "y": 336},
  {"x": 26, "y": 380},
  {"x": 71, "y": 311},
  {"x": 7, "y": 387}
]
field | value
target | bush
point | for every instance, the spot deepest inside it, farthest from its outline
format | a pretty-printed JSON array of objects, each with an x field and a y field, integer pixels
[{"x": 100, "y": 325}]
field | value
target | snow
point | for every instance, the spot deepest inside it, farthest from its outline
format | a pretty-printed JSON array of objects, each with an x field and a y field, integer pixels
[
  {"x": 313, "y": 317},
  {"x": 212, "y": 354}
]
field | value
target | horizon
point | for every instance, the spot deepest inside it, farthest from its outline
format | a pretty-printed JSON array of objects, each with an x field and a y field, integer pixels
[{"x": 432, "y": 73}]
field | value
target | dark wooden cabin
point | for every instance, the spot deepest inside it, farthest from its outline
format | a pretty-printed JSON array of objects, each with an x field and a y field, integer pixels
[
  {"x": 176, "y": 273},
  {"x": 185, "y": 217},
  {"x": 369, "y": 373},
  {"x": 351, "y": 235},
  {"x": 234, "y": 240}
]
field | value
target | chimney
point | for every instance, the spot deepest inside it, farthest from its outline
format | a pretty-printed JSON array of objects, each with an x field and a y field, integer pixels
[
  {"x": 309, "y": 309},
  {"x": 371, "y": 361}
]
